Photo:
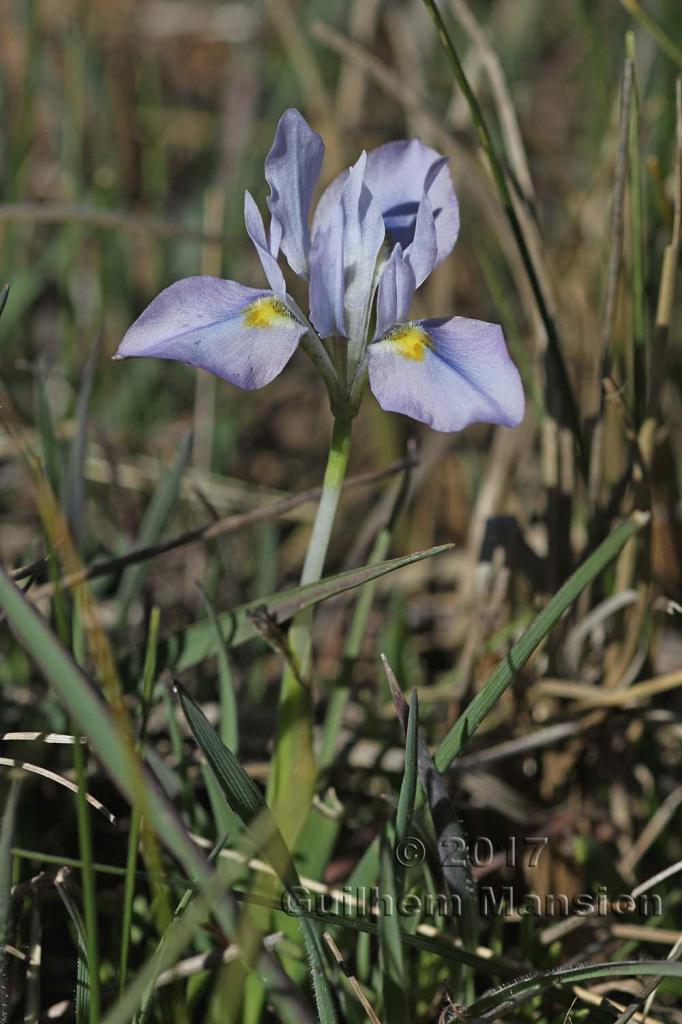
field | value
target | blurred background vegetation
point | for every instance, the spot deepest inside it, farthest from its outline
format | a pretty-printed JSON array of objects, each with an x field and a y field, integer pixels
[{"x": 130, "y": 129}]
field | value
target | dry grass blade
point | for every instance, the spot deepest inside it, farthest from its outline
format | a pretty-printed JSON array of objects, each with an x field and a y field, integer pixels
[
  {"x": 36, "y": 769},
  {"x": 601, "y": 697},
  {"x": 352, "y": 980},
  {"x": 43, "y": 737}
]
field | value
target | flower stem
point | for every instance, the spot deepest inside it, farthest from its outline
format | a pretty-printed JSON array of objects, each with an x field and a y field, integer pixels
[
  {"x": 335, "y": 472},
  {"x": 294, "y": 769}
]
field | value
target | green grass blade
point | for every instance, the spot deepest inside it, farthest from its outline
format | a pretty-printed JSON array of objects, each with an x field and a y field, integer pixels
[
  {"x": 508, "y": 997},
  {"x": 9, "y": 817},
  {"x": 450, "y": 834},
  {"x": 408, "y": 787},
  {"x": 248, "y": 803},
  {"x": 188, "y": 648},
  {"x": 486, "y": 699},
  {"x": 153, "y": 523},
  {"x": 90, "y": 938},
  {"x": 393, "y": 977},
  {"x": 83, "y": 972},
  {"x": 148, "y": 677},
  {"x": 649, "y": 23},
  {"x": 229, "y": 725}
]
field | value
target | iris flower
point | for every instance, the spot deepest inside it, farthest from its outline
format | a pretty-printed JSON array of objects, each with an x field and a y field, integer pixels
[{"x": 378, "y": 231}]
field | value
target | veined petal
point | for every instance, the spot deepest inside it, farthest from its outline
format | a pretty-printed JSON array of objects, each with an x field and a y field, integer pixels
[
  {"x": 397, "y": 285},
  {"x": 292, "y": 168},
  {"x": 447, "y": 373},
  {"x": 244, "y": 335},
  {"x": 398, "y": 174},
  {"x": 363, "y": 235},
  {"x": 256, "y": 232}
]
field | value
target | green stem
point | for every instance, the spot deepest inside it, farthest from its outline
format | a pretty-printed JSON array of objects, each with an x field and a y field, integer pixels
[
  {"x": 337, "y": 463},
  {"x": 294, "y": 769}
]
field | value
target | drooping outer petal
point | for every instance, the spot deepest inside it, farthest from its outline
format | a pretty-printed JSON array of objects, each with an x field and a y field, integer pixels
[
  {"x": 397, "y": 285},
  {"x": 447, "y": 373},
  {"x": 292, "y": 168},
  {"x": 244, "y": 335},
  {"x": 398, "y": 174}
]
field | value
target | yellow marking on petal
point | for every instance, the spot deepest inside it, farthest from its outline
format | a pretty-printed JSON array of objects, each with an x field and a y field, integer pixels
[
  {"x": 412, "y": 341},
  {"x": 266, "y": 312}
]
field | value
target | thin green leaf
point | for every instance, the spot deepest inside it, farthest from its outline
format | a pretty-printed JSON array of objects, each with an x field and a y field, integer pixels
[
  {"x": 247, "y": 801},
  {"x": 190, "y": 647},
  {"x": 508, "y": 997},
  {"x": 656, "y": 31},
  {"x": 450, "y": 833},
  {"x": 9, "y": 817},
  {"x": 408, "y": 787},
  {"x": 505, "y": 673},
  {"x": 148, "y": 677},
  {"x": 64, "y": 886},
  {"x": 90, "y": 937},
  {"x": 229, "y": 725},
  {"x": 393, "y": 976}
]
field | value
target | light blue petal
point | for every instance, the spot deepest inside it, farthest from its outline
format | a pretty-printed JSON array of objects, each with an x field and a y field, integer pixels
[
  {"x": 398, "y": 174},
  {"x": 422, "y": 252},
  {"x": 363, "y": 236},
  {"x": 292, "y": 168},
  {"x": 244, "y": 335},
  {"x": 447, "y": 373},
  {"x": 326, "y": 276},
  {"x": 343, "y": 259},
  {"x": 256, "y": 232},
  {"x": 397, "y": 285}
]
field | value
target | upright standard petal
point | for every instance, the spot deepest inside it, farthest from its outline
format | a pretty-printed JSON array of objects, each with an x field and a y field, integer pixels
[
  {"x": 447, "y": 373},
  {"x": 398, "y": 174},
  {"x": 326, "y": 276},
  {"x": 244, "y": 335},
  {"x": 363, "y": 236},
  {"x": 397, "y": 285},
  {"x": 292, "y": 168},
  {"x": 343, "y": 260},
  {"x": 256, "y": 232}
]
